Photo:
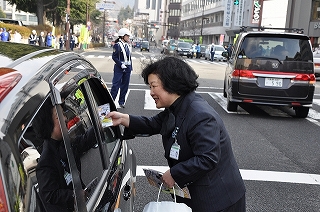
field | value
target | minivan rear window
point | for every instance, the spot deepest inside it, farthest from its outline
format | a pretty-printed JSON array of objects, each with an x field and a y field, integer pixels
[{"x": 293, "y": 48}]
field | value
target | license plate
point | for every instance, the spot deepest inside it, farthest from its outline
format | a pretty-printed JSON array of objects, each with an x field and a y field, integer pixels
[
  {"x": 273, "y": 82},
  {"x": 184, "y": 53}
]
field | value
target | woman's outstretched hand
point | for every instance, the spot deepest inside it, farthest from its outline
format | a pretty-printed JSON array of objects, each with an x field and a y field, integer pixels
[{"x": 119, "y": 118}]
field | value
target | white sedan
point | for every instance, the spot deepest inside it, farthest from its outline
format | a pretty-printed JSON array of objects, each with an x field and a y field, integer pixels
[
  {"x": 316, "y": 61},
  {"x": 218, "y": 53}
]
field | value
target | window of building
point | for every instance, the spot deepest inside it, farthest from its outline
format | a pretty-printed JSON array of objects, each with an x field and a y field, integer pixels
[
  {"x": 175, "y": 1},
  {"x": 148, "y": 4},
  {"x": 21, "y": 17},
  {"x": 153, "y": 4},
  {"x": 33, "y": 18},
  {"x": 174, "y": 12},
  {"x": 315, "y": 10}
]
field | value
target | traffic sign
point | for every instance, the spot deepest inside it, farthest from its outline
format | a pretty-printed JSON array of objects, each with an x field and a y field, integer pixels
[
  {"x": 236, "y": 2},
  {"x": 104, "y": 6}
]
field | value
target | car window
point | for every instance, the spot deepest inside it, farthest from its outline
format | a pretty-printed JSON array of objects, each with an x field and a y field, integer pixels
[
  {"x": 219, "y": 48},
  {"x": 83, "y": 102},
  {"x": 184, "y": 45},
  {"x": 282, "y": 48}
]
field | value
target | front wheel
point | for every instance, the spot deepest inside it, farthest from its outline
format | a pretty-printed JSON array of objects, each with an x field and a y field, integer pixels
[{"x": 301, "y": 112}]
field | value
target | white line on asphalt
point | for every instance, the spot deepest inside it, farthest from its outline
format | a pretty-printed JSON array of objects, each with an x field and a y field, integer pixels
[
  {"x": 149, "y": 103},
  {"x": 258, "y": 175}
]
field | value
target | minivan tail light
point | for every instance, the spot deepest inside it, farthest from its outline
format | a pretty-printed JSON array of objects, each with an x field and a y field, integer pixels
[
  {"x": 3, "y": 199},
  {"x": 242, "y": 74},
  {"x": 311, "y": 78},
  {"x": 7, "y": 83}
]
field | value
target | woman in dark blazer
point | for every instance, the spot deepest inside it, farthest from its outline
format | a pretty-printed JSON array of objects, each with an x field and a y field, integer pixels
[{"x": 196, "y": 143}]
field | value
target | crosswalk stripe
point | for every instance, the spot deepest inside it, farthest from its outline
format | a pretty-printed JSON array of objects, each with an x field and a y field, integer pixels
[
  {"x": 258, "y": 175},
  {"x": 198, "y": 61},
  {"x": 149, "y": 103}
]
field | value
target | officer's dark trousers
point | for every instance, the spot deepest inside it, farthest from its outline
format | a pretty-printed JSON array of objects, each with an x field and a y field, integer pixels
[{"x": 120, "y": 80}]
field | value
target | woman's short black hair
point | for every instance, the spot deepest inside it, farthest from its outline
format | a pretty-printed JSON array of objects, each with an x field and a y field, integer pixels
[
  {"x": 43, "y": 122},
  {"x": 175, "y": 74}
]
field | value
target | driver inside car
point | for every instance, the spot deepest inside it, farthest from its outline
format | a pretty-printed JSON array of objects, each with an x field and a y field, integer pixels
[{"x": 53, "y": 173}]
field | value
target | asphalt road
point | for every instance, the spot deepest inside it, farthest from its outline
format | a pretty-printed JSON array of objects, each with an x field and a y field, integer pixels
[{"x": 278, "y": 155}]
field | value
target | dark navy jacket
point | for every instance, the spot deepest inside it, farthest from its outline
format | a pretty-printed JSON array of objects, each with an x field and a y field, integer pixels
[
  {"x": 118, "y": 58},
  {"x": 206, "y": 163},
  {"x": 55, "y": 194}
]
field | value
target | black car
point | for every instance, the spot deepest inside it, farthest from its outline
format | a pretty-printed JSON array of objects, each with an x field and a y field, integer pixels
[
  {"x": 145, "y": 46},
  {"x": 273, "y": 68},
  {"x": 183, "y": 49},
  {"x": 29, "y": 75},
  {"x": 202, "y": 50}
]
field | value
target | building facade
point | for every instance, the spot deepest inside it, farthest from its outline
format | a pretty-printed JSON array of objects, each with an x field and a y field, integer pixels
[
  {"x": 218, "y": 21},
  {"x": 12, "y": 13}
]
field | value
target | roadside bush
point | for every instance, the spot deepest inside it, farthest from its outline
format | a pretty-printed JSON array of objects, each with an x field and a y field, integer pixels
[
  {"x": 24, "y": 31},
  {"x": 96, "y": 45}
]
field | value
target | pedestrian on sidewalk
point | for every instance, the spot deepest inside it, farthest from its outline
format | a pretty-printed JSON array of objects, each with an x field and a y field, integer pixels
[{"x": 212, "y": 51}]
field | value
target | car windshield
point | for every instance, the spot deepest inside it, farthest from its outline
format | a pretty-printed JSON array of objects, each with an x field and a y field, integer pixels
[
  {"x": 281, "y": 48},
  {"x": 219, "y": 48},
  {"x": 145, "y": 43},
  {"x": 184, "y": 45}
]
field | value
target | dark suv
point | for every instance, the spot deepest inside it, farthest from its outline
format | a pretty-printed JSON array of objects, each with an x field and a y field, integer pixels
[
  {"x": 183, "y": 49},
  {"x": 30, "y": 76},
  {"x": 274, "y": 68}
]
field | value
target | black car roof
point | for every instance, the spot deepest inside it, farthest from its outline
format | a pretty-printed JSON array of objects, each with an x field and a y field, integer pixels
[
  {"x": 36, "y": 65},
  {"x": 272, "y": 33}
]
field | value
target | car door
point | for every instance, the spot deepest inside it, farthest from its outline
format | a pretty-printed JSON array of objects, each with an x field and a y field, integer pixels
[
  {"x": 103, "y": 166},
  {"x": 106, "y": 159}
]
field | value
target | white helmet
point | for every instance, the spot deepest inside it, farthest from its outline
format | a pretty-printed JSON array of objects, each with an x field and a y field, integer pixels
[{"x": 123, "y": 32}]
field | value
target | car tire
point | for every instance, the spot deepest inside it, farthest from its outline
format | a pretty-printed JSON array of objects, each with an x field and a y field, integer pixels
[
  {"x": 224, "y": 89},
  {"x": 232, "y": 106},
  {"x": 301, "y": 112}
]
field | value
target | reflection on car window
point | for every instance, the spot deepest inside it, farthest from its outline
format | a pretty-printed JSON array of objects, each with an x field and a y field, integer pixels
[{"x": 80, "y": 124}]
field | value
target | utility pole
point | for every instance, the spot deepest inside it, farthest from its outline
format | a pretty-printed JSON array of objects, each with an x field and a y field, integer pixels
[
  {"x": 200, "y": 39},
  {"x": 68, "y": 26}
]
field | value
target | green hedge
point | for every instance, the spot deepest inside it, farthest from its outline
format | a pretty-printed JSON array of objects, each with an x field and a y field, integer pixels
[{"x": 25, "y": 31}]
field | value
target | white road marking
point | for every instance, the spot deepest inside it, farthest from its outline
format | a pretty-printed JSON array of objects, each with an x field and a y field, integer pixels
[
  {"x": 149, "y": 103},
  {"x": 258, "y": 175},
  {"x": 255, "y": 175}
]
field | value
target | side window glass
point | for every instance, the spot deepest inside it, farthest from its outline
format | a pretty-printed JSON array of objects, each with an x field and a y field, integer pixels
[
  {"x": 103, "y": 104},
  {"x": 84, "y": 139}
]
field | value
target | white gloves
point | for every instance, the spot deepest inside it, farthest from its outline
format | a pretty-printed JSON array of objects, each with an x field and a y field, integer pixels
[{"x": 123, "y": 66}]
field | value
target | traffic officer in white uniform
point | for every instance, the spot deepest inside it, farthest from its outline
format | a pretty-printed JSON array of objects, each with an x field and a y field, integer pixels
[{"x": 123, "y": 66}]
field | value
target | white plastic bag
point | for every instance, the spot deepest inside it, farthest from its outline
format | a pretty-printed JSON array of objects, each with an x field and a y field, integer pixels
[{"x": 166, "y": 206}]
